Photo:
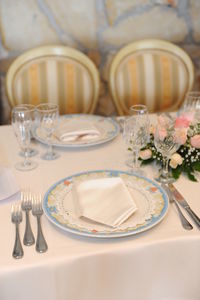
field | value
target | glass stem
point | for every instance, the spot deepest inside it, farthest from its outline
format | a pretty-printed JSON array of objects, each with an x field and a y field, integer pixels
[
  {"x": 165, "y": 168},
  {"x": 50, "y": 150},
  {"x": 135, "y": 160},
  {"x": 26, "y": 158},
  {"x": 50, "y": 147}
]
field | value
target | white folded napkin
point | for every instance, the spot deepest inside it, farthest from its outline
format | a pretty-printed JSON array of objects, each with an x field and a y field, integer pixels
[
  {"x": 8, "y": 183},
  {"x": 74, "y": 131},
  {"x": 105, "y": 200}
]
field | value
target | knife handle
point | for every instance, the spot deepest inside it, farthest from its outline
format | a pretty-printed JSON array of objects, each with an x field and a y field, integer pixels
[{"x": 194, "y": 217}]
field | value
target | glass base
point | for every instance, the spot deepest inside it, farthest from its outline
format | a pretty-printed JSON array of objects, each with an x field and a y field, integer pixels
[
  {"x": 134, "y": 169},
  {"x": 26, "y": 167},
  {"x": 31, "y": 152},
  {"x": 164, "y": 179},
  {"x": 50, "y": 156}
]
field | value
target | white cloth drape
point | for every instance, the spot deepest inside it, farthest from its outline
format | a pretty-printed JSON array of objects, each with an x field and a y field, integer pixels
[{"x": 161, "y": 263}]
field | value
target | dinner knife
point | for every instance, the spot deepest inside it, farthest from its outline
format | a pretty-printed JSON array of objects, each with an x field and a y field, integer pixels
[
  {"x": 185, "y": 223},
  {"x": 184, "y": 204}
]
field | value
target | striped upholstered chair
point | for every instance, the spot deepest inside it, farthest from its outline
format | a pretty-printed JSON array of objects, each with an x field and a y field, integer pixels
[
  {"x": 56, "y": 74},
  {"x": 153, "y": 72}
]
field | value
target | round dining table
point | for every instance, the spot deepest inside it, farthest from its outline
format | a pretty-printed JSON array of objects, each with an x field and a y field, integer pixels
[{"x": 161, "y": 263}]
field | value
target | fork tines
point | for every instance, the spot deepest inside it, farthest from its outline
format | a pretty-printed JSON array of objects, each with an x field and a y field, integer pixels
[
  {"x": 37, "y": 205},
  {"x": 16, "y": 213},
  {"x": 26, "y": 201}
]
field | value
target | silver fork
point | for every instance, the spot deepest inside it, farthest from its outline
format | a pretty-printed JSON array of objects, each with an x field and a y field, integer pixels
[
  {"x": 16, "y": 218},
  {"x": 26, "y": 204},
  {"x": 37, "y": 211}
]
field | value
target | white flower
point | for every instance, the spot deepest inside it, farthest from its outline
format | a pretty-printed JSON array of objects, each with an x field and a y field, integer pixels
[{"x": 176, "y": 160}]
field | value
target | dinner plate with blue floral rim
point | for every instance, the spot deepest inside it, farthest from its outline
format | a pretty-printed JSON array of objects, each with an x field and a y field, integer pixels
[
  {"x": 152, "y": 205},
  {"x": 107, "y": 127}
]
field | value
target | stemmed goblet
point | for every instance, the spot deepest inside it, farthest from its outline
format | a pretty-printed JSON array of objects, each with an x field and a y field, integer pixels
[
  {"x": 166, "y": 142},
  {"x": 31, "y": 151},
  {"x": 47, "y": 115},
  {"x": 136, "y": 133},
  {"x": 22, "y": 125}
]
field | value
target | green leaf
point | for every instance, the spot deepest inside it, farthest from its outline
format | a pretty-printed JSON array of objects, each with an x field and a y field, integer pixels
[
  {"x": 147, "y": 161},
  {"x": 191, "y": 176},
  {"x": 176, "y": 172},
  {"x": 196, "y": 166}
]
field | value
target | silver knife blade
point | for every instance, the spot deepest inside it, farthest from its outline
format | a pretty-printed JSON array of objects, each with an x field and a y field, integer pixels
[{"x": 181, "y": 200}]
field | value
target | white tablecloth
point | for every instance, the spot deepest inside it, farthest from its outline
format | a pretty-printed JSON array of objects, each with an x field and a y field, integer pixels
[{"x": 161, "y": 263}]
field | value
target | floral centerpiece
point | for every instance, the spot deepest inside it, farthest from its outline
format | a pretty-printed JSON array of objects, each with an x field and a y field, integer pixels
[{"x": 187, "y": 158}]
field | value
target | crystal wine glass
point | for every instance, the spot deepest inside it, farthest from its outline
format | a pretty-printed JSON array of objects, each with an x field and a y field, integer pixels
[
  {"x": 47, "y": 115},
  {"x": 136, "y": 133},
  {"x": 166, "y": 143},
  {"x": 191, "y": 104},
  {"x": 22, "y": 123}
]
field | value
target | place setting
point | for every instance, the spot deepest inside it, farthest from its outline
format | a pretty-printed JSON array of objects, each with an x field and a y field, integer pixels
[
  {"x": 79, "y": 130},
  {"x": 111, "y": 203}
]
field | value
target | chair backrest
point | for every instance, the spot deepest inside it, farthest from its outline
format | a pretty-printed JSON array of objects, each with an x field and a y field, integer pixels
[
  {"x": 56, "y": 74},
  {"x": 153, "y": 72}
]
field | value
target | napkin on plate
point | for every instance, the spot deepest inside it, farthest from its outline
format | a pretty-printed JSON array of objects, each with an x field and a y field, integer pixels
[
  {"x": 75, "y": 131},
  {"x": 105, "y": 200},
  {"x": 8, "y": 184}
]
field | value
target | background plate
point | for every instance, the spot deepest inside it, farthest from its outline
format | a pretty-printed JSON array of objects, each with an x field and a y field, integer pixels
[{"x": 107, "y": 126}]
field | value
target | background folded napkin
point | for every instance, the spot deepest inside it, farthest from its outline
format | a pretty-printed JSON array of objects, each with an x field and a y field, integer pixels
[
  {"x": 8, "y": 183},
  {"x": 72, "y": 130},
  {"x": 104, "y": 200}
]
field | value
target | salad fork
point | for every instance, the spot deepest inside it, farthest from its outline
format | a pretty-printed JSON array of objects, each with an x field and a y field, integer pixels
[
  {"x": 37, "y": 211},
  {"x": 26, "y": 205},
  {"x": 16, "y": 218}
]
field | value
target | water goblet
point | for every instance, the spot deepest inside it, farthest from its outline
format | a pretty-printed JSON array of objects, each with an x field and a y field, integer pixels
[
  {"x": 136, "y": 133},
  {"x": 47, "y": 115},
  {"x": 22, "y": 123},
  {"x": 166, "y": 143},
  {"x": 30, "y": 151}
]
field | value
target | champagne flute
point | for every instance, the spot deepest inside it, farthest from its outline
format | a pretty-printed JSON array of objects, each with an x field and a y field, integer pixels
[
  {"x": 47, "y": 119},
  {"x": 136, "y": 133},
  {"x": 22, "y": 123},
  {"x": 165, "y": 141}
]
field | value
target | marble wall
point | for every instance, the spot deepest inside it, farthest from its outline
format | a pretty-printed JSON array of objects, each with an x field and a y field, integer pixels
[{"x": 99, "y": 28}]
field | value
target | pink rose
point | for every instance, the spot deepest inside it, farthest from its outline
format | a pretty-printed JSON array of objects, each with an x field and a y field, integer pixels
[
  {"x": 184, "y": 120},
  {"x": 195, "y": 141},
  {"x": 163, "y": 120},
  {"x": 145, "y": 154},
  {"x": 180, "y": 135}
]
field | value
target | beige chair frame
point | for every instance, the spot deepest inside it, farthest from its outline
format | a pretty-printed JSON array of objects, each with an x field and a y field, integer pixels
[
  {"x": 53, "y": 50},
  {"x": 154, "y": 44}
]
